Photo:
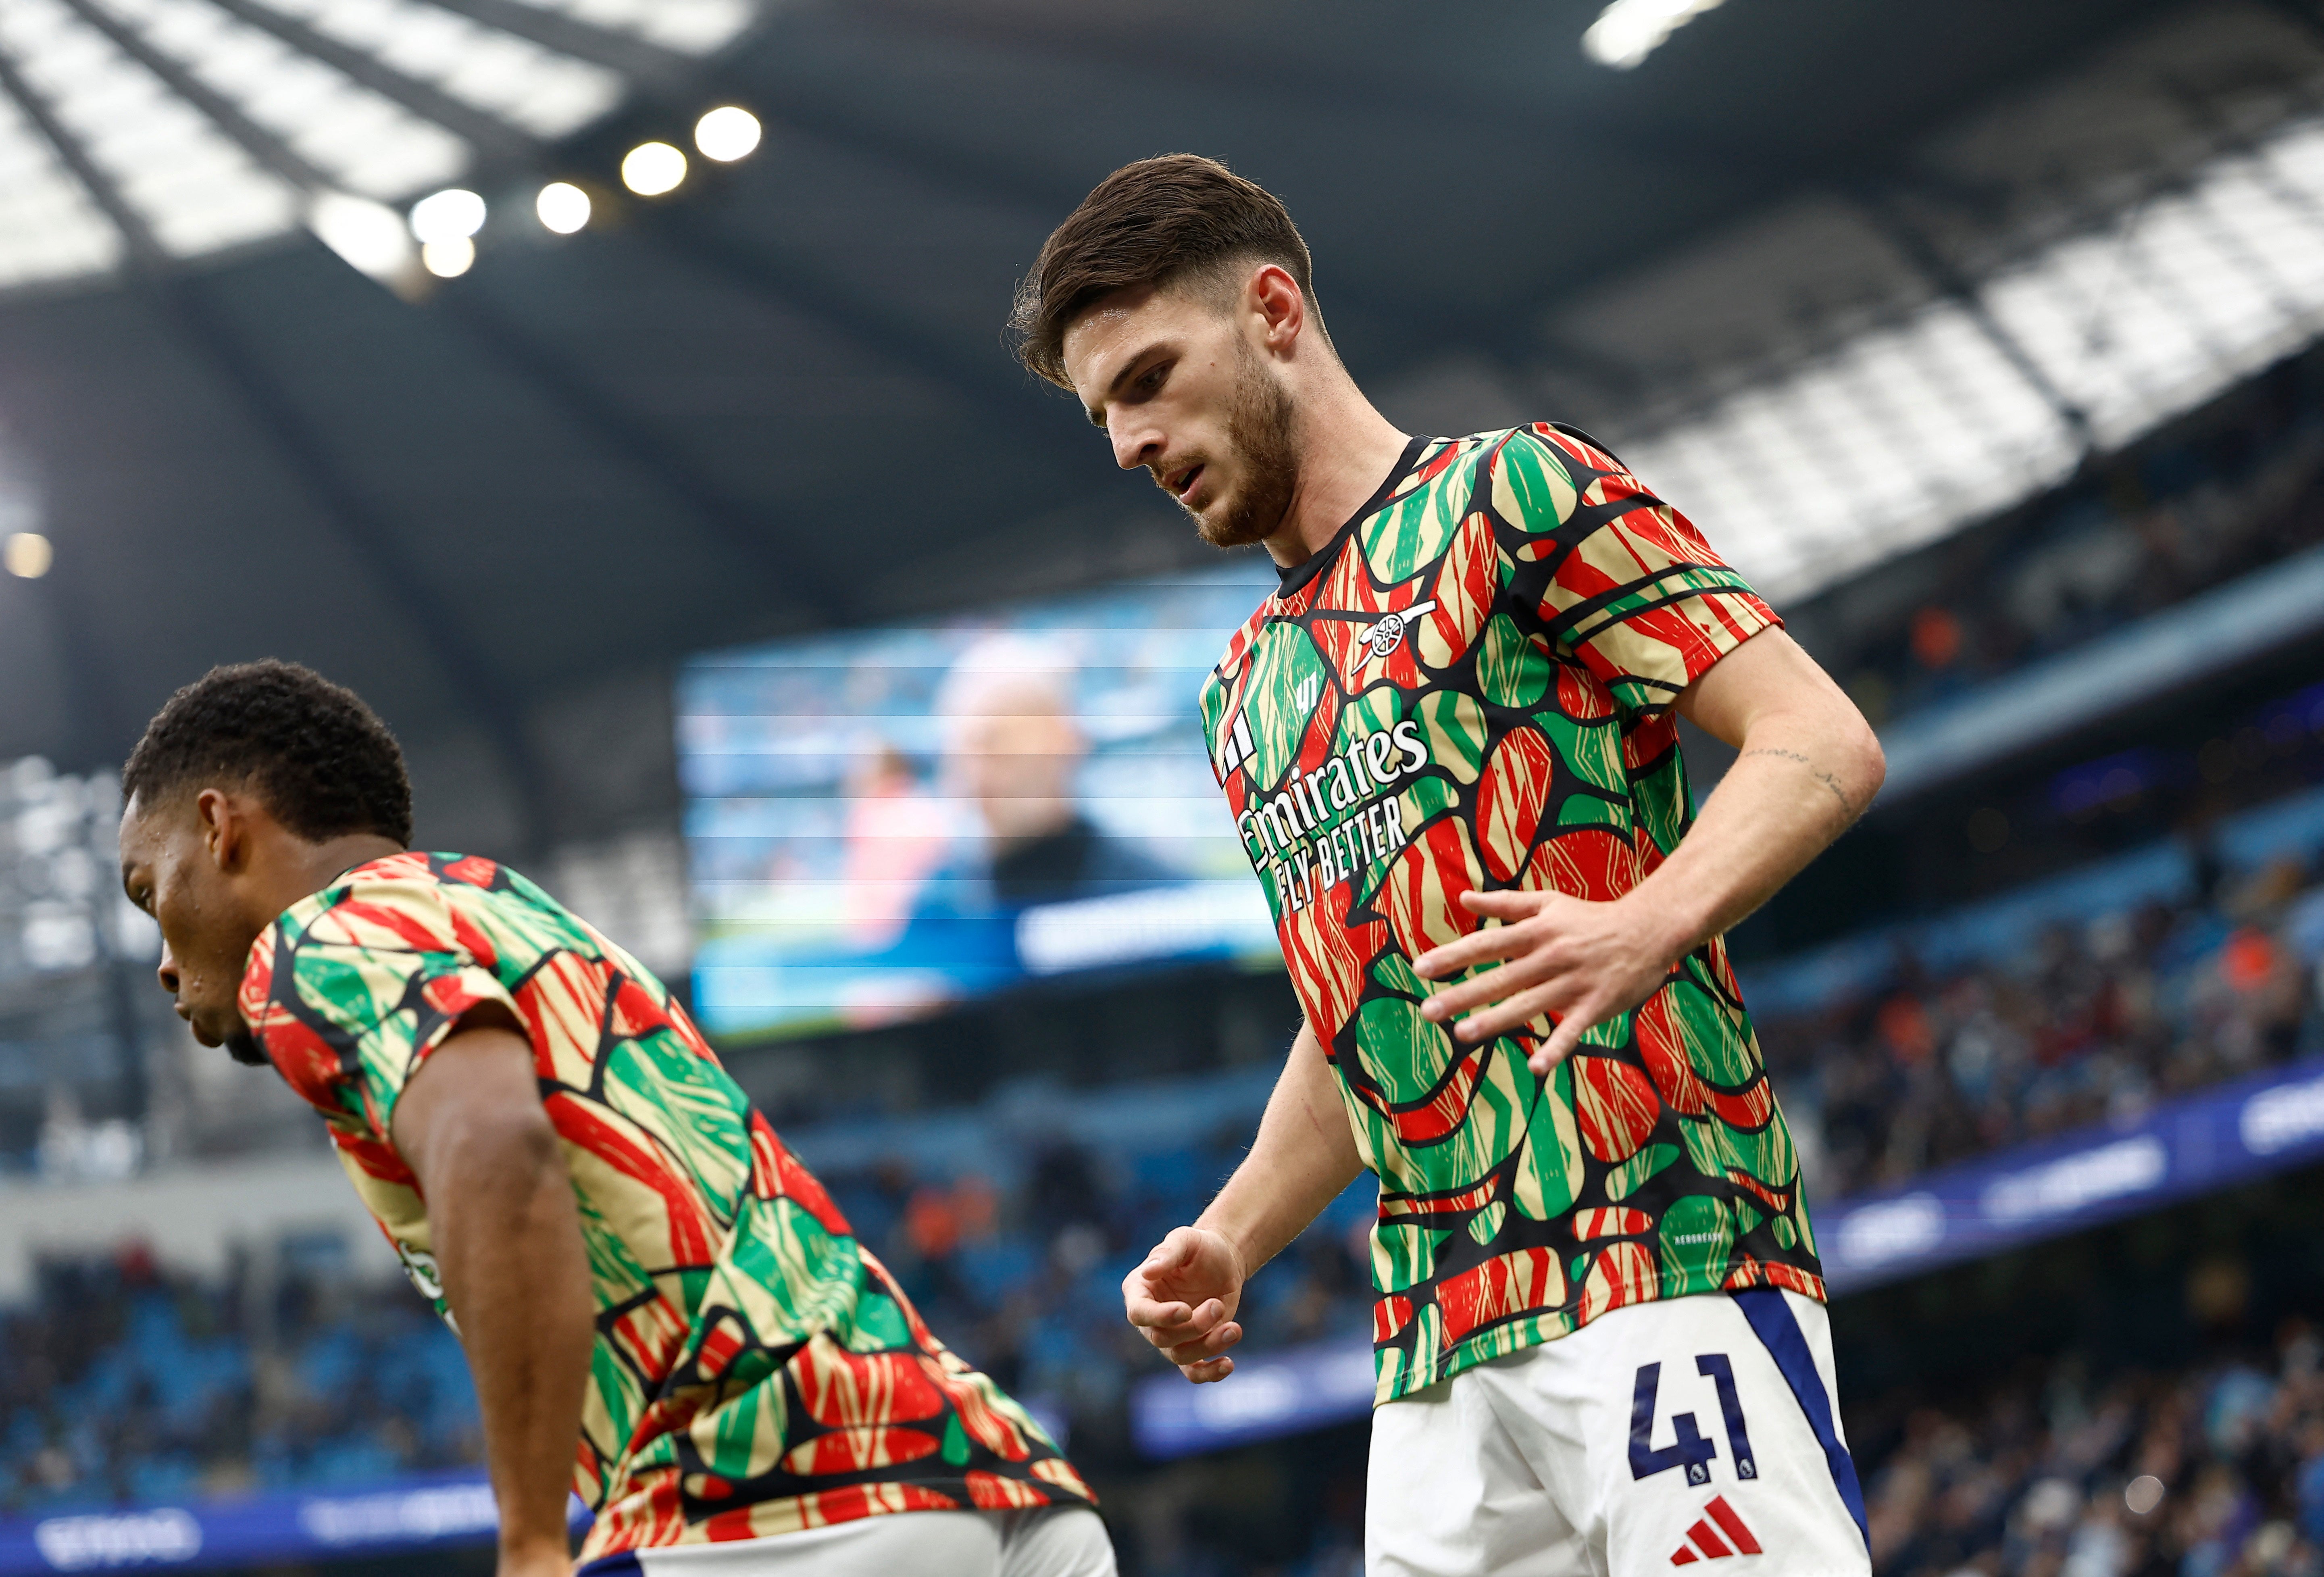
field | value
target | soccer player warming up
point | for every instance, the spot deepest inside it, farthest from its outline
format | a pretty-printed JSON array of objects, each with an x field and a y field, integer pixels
[
  {"x": 1448, "y": 740},
  {"x": 661, "y": 1308}
]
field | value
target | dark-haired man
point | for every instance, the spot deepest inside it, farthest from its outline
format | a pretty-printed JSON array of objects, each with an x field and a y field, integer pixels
[
  {"x": 1448, "y": 740},
  {"x": 661, "y": 1308}
]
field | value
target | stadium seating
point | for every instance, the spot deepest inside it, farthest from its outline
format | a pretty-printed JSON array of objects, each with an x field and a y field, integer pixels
[
  {"x": 1014, "y": 1227},
  {"x": 153, "y": 1391},
  {"x": 2042, "y": 1011},
  {"x": 120, "y": 1384},
  {"x": 2214, "y": 1470},
  {"x": 2069, "y": 1009},
  {"x": 2221, "y": 494}
]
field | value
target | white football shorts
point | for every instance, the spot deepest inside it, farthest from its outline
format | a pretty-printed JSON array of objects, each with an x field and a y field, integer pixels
[
  {"x": 1695, "y": 1431},
  {"x": 1045, "y": 1541}
]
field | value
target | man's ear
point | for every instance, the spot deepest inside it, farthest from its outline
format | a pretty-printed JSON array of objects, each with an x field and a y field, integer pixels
[
  {"x": 225, "y": 823},
  {"x": 1274, "y": 297}
]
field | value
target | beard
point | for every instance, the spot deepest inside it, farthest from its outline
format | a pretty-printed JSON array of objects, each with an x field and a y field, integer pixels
[{"x": 1261, "y": 428}]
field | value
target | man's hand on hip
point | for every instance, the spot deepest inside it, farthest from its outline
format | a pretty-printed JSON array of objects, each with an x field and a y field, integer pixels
[
  {"x": 1580, "y": 963},
  {"x": 1182, "y": 1300}
]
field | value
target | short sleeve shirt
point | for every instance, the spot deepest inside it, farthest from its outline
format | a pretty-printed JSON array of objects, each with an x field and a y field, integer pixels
[
  {"x": 756, "y": 1369},
  {"x": 1470, "y": 687}
]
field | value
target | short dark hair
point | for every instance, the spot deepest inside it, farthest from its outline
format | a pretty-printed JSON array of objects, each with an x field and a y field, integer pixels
[
  {"x": 324, "y": 763},
  {"x": 1150, "y": 222}
]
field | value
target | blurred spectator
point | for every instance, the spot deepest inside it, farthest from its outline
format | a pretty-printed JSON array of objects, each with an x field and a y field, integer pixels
[
  {"x": 1935, "y": 638},
  {"x": 2101, "y": 1019},
  {"x": 2218, "y": 496},
  {"x": 2213, "y": 1471},
  {"x": 122, "y": 1383}
]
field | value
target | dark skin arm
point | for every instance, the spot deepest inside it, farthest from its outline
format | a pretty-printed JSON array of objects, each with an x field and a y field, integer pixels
[{"x": 507, "y": 1239}]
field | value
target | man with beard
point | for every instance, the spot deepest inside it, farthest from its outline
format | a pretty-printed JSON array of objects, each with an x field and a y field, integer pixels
[
  {"x": 1449, "y": 742},
  {"x": 662, "y": 1310}
]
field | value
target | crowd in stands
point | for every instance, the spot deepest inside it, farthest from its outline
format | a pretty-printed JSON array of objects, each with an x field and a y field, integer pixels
[
  {"x": 2106, "y": 1016},
  {"x": 121, "y": 1383},
  {"x": 2057, "y": 1469},
  {"x": 2216, "y": 1470},
  {"x": 1032, "y": 1293},
  {"x": 2223, "y": 493}
]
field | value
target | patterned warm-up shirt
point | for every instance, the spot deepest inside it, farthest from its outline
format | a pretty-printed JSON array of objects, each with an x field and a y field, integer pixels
[
  {"x": 1470, "y": 687},
  {"x": 756, "y": 1369}
]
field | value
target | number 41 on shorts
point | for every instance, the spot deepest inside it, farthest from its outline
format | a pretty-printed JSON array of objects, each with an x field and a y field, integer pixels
[{"x": 1689, "y": 1448}]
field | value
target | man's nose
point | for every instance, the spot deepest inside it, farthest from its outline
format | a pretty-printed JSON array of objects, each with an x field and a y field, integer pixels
[
  {"x": 1135, "y": 446},
  {"x": 167, "y": 972}
]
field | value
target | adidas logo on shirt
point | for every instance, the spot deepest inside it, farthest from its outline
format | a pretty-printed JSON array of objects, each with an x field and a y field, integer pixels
[
  {"x": 1237, "y": 748},
  {"x": 1705, "y": 1542}
]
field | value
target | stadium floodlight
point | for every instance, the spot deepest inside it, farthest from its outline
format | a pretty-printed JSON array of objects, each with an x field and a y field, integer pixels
[
  {"x": 27, "y": 555},
  {"x": 652, "y": 169},
  {"x": 449, "y": 258},
  {"x": 177, "y": 139},
  {"x": 563, "y": 206},
  {"x": 370, "y": 237},
  {"x": 726, "y": 134},
  {"x": 1626, "y": 32},
  {"x": 449, "y": 215}
]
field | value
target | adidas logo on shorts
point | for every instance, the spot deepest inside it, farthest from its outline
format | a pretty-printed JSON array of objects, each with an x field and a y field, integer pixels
[{"x": 1706, "y": 1543}]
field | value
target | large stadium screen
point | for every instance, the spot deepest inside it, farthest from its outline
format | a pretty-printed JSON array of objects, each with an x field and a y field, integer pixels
[{"x": 883, "y": 822}]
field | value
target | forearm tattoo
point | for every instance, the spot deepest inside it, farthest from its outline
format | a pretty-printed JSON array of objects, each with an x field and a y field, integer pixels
[{"x": 1847, "y": 806}]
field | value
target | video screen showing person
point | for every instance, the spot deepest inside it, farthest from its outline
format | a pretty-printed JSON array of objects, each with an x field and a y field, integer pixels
[{"x": 882, "y": 821}]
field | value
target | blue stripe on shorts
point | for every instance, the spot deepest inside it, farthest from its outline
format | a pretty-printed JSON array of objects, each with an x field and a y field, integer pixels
[{"x": 1772, "y": 1321}]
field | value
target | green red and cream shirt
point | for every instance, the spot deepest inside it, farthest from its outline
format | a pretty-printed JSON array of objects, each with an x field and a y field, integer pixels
[
  {"x": 756, "y": 1369},
  {"x": 1470, "y": 687}
]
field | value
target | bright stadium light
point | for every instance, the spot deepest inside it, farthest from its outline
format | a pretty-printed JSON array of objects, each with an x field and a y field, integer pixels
[
  {"x": 652, "y": 169},
  {"x": 563, "y": 206},
  {"x": 27, "y": 555},
  {"x": 1626, "y": 32},
  {"x": 370, "y": 237},
  {"x": 449, "y": 215},
  {"x": 450, "y": 258},
  {"x": 183, "y": 142},
  {"x": 726, "y": 134}
]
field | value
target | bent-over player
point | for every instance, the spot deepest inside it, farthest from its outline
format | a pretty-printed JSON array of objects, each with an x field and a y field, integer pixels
[
  {"x": 662, "y": 1310},
  {"x": 1449, "y": 742}
]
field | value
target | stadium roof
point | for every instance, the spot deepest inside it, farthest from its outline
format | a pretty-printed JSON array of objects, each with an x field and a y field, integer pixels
[
  {"x": 777, "y": 397},
  {"x": 188, "y": 127}
]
